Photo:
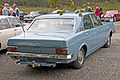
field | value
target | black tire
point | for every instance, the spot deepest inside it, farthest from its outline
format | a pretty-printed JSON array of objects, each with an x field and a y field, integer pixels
[
  {"x": 114, "y": 19},
  {"x": 108, "y": 43},
  {"x": 80, "y": 60},
  {"x": 0, "y": 45}
]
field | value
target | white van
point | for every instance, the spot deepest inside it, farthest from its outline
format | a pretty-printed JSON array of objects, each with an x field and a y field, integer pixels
[{"x": 9, "y": 26}]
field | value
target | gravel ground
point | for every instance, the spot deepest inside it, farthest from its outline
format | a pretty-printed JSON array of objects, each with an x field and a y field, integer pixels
[{"x": 104, "y": 64}]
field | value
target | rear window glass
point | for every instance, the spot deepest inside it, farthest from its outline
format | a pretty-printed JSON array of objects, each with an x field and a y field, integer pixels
[
  {"x": 4, "y": 24},
  {"x": 53, "y": 24}
]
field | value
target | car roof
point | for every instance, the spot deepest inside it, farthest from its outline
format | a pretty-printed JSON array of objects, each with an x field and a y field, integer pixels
[
  {"x": 68, "y": 15},
  {"x": 7, "y": 17}
]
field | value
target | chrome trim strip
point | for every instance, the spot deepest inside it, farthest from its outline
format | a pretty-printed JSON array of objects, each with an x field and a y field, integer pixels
[{"x": 41, "y": 55}]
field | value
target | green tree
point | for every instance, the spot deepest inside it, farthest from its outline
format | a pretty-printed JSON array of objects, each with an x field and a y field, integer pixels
[
  {"x": 1, "y": 6},
  {"x": 58, "y": 4}
]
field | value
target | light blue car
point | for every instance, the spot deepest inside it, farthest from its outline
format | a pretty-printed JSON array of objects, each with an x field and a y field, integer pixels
[{"x": 67, "y": 39}]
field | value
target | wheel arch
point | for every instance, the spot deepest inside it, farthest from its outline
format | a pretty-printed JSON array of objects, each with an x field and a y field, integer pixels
[
  {"x": 110, "y": 33},
  {"x": 84, "y": 46},
  {"x": 85, "y": 49}
]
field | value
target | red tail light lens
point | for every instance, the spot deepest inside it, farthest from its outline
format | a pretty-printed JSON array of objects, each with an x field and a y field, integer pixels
[
  {"x": 61, "y": 51},
  {"x": 12, "y": 49}
]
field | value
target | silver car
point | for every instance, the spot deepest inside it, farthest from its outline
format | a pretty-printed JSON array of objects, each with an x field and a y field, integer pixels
[{"x": 9, "y": 26}]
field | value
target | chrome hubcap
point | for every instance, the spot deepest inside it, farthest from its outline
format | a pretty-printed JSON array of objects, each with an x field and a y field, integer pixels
[{"x": 81, "y": 57}]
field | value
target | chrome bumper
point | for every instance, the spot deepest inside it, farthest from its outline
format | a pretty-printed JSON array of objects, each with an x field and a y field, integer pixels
[{"x": 55, "y": 56}]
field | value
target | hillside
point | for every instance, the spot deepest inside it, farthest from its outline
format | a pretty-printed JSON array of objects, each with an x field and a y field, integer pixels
[{"x": 44, "y": 5}]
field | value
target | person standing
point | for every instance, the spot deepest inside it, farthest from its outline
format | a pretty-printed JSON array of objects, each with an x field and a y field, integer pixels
[
  {"x": 1, "y": 7},
  {"x": 1, "y": 11},
  {"x": 11, "y": 12},
  {"x": 97, "y": 12},
  {"x": 5, "y": 10},
  {"x": 16, "y": 10},
  {"x": 100, "y": 11}
]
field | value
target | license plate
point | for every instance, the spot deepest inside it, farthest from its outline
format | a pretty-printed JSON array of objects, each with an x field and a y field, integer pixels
[{"x": 30, "y": 59}]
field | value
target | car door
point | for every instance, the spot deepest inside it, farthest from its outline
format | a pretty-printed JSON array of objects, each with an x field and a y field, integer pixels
[
  {"x": 90, "y": 33},
  {"x": 6, "y": 32},
  {"x": 101, "y": 30},
  {"x": 16, "y": 25}
]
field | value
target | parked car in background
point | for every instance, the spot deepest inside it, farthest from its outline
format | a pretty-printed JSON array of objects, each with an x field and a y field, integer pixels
[
  {"x": 9, "y": 26},
  {"x": 55, "y": 11},
  {"x": 32, "y": 15},
  {"x": 111, "y": 15},
  {"x": 22, "y": 14},
  {"x": 53, "y": 39}
]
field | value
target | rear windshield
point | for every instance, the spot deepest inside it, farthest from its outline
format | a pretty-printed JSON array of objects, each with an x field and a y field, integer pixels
[{"x": 56, "y": 24}]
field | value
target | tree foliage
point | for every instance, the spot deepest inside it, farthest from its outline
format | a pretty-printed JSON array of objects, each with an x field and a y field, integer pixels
[{"x": 58, "y": 4}]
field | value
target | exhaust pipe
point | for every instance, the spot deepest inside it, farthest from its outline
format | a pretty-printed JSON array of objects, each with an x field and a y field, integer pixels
[
  {"x": 34, "y": 64},
  {"x": 18, "y": 61}
]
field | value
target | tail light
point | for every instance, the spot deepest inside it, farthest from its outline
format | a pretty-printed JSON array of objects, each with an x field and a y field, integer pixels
[
  {"x": 61, "y": 51},
  {"x": 12, "y": 49}
]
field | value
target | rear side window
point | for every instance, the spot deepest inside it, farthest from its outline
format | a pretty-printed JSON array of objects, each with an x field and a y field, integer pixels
[
  {"x": 14, "y": 22},
  {"x": 4, "y": 24},
  {"x": 87, "y": 22},
  {"x": 96, "y": 21}
]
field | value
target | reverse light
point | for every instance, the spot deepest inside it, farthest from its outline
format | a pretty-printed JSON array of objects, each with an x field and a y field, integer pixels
[
  {"x": 61, "y": 51},
  {"x": 12, "y": 49}
]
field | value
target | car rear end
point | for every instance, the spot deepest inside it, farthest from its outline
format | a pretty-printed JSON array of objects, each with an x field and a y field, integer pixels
[
  {"x": 107, "y": 18},
  {"x": 45, "y": 43},
  {"x": 39, "y": 52}
]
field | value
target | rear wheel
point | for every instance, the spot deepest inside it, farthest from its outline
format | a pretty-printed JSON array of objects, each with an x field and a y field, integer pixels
[
  {"x": 80, "y": 60},
  {"x": 108, "y": 43}
]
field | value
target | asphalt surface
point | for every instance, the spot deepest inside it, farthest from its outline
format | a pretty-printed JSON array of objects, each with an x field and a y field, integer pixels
[{"x": 104, "y": 64}]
